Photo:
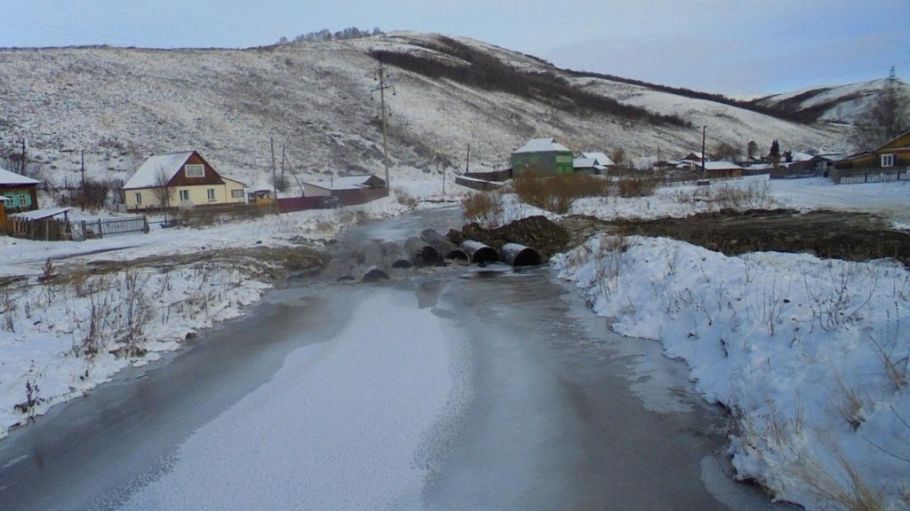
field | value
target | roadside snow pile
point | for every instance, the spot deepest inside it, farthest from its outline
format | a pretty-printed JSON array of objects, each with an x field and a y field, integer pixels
[
  {"x": 810, "y": 356},
  {"x": 59, "y": 340}
]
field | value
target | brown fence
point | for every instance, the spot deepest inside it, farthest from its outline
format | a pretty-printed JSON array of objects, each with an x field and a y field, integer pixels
[
  {"x": 38, "y": 230},
  {"x": 291, "y": 204},
  {"x": 856, "y": 176}
]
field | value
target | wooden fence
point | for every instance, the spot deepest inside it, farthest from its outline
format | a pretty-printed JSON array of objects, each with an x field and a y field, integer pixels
[
  {"x": 100, "y": 228},
  {"x": 38, "y": 230},
  {"x": 856, "y": 176}
]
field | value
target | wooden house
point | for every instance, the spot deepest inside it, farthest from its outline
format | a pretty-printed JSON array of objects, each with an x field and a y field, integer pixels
[
  {"x": 21, "y": 192},
  {"x": 895, "y": 153},
  {"x": 544, "y": 156},
  {"x": 183, "y": 179}
]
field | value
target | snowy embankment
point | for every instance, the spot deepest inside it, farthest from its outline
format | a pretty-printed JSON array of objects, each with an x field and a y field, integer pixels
[
  {"x": 810, "y": 356},
  {"x": 61, "y": 337}
]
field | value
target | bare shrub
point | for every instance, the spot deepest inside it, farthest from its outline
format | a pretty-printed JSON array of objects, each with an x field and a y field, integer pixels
[
  {"x": 8, "y": 310},
  {"x": 557, "y": 193},
  {"x": 849, "y": 404},
  {"x": 405, "y": 199},
  {"x": 32, "y": 394},
  {"x": 637, "y": 186},
  {"x": 484, "y": 208}
]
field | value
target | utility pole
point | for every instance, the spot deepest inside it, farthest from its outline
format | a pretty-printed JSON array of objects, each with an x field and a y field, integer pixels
[
  {"x": 383, "y": 75},
  {"x": 82, "y": 171},
  {"x": 22, "y": 160},
  {"x": 704, "y": 171},
  {"x": 274, "y": 181},
  {"x": 467, "y": 161}
]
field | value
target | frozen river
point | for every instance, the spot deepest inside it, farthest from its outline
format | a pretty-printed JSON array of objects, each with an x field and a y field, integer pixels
[{"x": 448, "y": 388}]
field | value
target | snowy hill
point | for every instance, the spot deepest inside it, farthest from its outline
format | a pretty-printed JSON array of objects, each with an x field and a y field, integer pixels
[
  {"x": 840, "y": 104},
  {"x": 121, "y": 104}
]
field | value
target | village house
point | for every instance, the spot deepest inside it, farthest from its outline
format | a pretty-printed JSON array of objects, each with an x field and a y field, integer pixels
[
  {"x": 895, "y": 153},
  {"x": 593, "y": 163},
  {"x": 183, "y": 179},
  {"x": 348, "y": 190},
  {"x": 544, "y": 156},
  {"x": 20, "y": 192}
]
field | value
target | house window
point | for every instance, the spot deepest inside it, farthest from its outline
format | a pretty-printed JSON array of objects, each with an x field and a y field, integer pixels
[
  {"x": 184, "y": 195},
  {"x": 237, "y": 194},
  {"x": 138, "y": 199},
  {"x": 195, "y": 170},
  {"x": 887, "y": 160},
  {"x": 211, "y": 194}
]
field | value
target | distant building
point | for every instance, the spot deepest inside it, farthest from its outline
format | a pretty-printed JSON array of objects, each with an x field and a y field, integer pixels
[
  {"x": 717, "y": 169},
  {"x": 181, "y": 179},
  {"x": 21, "y": 192},
  {"x": 544, "y": 156},
  {"x": 592, "y": 163},
  {"x": 348, "y": 190}
]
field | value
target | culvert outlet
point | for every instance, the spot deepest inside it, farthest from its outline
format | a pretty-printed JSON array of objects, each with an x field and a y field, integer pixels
[
  {"x": 421, "y": 253},
  {"x": 443, "y": 245},
  {"x": 478, "y": 252},
  {"x": 520, "y": 255}
]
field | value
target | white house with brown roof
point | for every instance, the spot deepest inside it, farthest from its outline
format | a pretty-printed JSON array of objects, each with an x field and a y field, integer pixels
[{"x": 183, "y": 179}]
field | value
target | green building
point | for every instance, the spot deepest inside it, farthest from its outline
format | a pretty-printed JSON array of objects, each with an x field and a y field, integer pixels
[{"x": 543, "y": 156}]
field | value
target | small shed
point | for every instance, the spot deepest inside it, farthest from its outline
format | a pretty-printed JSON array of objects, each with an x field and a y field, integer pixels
[
  {"x": 349, "y": 190},
  {"x": 21, "y": 192},
  {"x": 722, "y": 169}
]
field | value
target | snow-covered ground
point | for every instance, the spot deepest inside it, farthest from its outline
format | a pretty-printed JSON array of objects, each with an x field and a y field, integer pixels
[
  {"x": 59, "y": 336},
  {"x": 810, "y": 355}
]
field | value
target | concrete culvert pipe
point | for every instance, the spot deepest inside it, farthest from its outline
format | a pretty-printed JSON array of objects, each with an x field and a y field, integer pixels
[
  {"x": 395, "y": 255},
  {"x": 443, "y": 245},
  {"x": 520, "y": 255},
  {"x": 421, "y": 253},
  {"x": 478, "y": 252},
  {"x": 374, "y": 274}
]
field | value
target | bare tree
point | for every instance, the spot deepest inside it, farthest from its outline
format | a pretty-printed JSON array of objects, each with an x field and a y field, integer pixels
[
  {"x": 725, "y": 151},
  {"x": 162, "y": 190}
]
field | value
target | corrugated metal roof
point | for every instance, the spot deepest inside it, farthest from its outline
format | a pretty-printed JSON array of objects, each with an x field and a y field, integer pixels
[
  {"x": 41, "y": 214},
  {"x": 11, "y": 178},
  {"x": 541, "y": 145}
]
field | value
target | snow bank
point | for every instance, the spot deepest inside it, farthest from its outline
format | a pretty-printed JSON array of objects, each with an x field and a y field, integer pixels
[
  {"x": 63, "y": 339},
  {"x": 810, "y": 355}
]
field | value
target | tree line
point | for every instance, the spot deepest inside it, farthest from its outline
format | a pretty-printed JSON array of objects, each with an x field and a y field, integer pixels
[{"x": 327, "y": 35}]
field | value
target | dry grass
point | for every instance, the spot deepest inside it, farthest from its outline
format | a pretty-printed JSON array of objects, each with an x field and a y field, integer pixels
[
  {"x": 405, "y": 199},
  {"x": 556, "y": 193},
  {"x": 484, "y": 208}
]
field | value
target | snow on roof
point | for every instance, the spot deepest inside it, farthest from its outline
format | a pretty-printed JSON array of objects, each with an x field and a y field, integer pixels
[
  {"x": 541, "y": 145},
  {"x": 800, "y": 156},
  {"x": 343, "y": 183},
  {"x": 719, "y": 165},
  {"x": 602, "y": 158},
  {"x": 41, "y": 214},
  {"x": 148, "y": 174},
  {"x": 11, "y": 178},
  {"x": 584, "y": 163}
]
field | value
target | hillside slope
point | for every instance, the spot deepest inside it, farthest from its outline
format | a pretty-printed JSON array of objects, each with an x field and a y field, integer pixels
[
  {"x": 121, "y": 104},
  {"x": 840, "y": 104}
]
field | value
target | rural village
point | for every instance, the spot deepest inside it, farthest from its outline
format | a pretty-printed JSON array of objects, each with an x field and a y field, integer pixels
[{"x": 764, "y": 253}]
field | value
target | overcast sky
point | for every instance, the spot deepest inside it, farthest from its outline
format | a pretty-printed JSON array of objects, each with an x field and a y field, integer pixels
[{"x": 734, "y": 47}]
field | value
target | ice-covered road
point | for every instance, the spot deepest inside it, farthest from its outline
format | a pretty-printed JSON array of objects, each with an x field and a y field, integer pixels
[{"x": 446, "y": 389}]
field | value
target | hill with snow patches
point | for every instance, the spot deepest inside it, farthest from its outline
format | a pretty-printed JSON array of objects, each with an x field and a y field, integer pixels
[
  {"x": 836, "y": 104},
  {"x": 120, "y": 105}
]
